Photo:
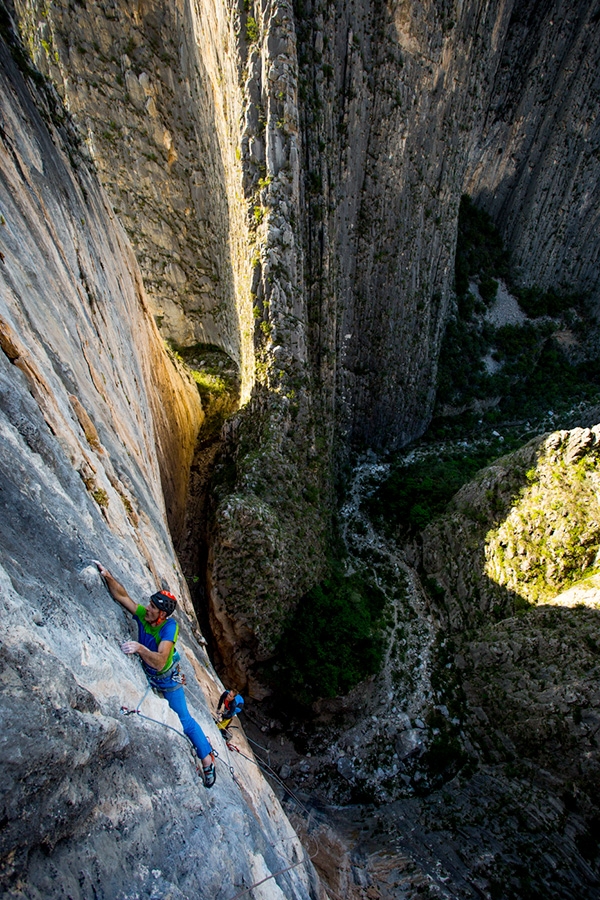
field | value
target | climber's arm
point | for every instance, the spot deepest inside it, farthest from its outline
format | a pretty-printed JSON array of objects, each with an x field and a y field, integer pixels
[
  {"x": 157, "y": 659},
  {"x": 117, "y": 591}
]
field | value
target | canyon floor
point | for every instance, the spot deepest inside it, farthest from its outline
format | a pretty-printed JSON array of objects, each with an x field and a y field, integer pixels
[{"x": 474, "y": 775}]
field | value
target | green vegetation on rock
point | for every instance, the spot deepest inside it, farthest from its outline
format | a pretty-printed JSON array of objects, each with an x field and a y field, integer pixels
[
  {"x": 479, "y": 251},
  {"x": 516, "y": 369},
  {"x": 509, "y": 375},
  {"x": 549, "y": 541},
  {"x": 332, "y": 640},
  {"x": 217, "y": 378},
  {"x": 415, "y": 493},
  {"x": 252, "y": 31},
  {"x": 272, "y": 515}
]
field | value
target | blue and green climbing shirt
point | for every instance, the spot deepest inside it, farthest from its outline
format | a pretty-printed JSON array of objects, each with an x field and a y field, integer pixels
[{"x": 152, "y": 635}]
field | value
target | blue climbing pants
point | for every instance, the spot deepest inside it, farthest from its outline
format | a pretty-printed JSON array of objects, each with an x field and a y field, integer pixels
[
  {"x": 169, "y": 685},
  {"x": 177, "y": 702}
]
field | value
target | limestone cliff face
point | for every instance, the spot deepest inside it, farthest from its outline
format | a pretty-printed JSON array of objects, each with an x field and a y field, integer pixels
[
  {"x": 330, "y": 185},
  {"x": 91, "y": 409},
  {"x": 154, "y": 91},
  {"x": 534, "y": 163},
  {"x": 408, "y": 106},
  {"x": 190, "y": 114}
]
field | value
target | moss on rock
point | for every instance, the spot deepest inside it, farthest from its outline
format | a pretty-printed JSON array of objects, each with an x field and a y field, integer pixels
[{"x": 549, "y": 540}]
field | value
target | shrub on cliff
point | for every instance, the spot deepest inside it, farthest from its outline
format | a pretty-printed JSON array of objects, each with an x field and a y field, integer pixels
[
  {"x": 416, "y": 493},
  {"x": 549, "y": 540},
  {"x": 332, "y": 640},
  {"x": 479, "y": 251}
]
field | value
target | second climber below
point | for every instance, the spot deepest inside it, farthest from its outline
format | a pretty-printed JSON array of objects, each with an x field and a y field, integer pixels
[
  {"x": 232, "y": 704},
  {"x": 157, "y": 636}
]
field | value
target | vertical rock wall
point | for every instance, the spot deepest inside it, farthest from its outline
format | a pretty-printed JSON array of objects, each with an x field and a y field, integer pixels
[
  {"x": 406, "y": 106},
  {"x": 534, "y": 165},
  {"x": 273, "y": 492},
  {"x": 161, "y": 95},
  {"x": 92, "y": 802},
  {"x": 336, "y": 203},
  {"x": 154, "y": 90}
]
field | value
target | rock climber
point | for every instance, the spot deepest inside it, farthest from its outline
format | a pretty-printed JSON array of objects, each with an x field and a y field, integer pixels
[
  {"x": 157, "y": 636},
  {"x": 232, "y": 704}
]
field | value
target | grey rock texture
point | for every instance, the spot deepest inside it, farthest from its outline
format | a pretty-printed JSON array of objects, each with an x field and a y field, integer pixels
[
  {"x": 407, "y": 107},
  {"x": 491, "y": 787},
  {"x": 273, "y": 486},
  {"x": 480, "y": 836},
  {"x": 144, "y": 88},
  {"x": 92, "y": 411},
  {"x": 191, "y": 119},
  {"x": 534, "y": 164},
  {"x": 398, "y": 112}
]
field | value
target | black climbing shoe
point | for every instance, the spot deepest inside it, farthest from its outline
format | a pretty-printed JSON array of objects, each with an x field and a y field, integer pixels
[{"x": 210, "y": 776}]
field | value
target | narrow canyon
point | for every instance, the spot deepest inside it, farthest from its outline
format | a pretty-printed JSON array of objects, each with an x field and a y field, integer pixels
[{"x": 272, "y": 275}]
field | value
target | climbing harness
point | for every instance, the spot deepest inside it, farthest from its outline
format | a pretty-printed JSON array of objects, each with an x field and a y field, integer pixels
[{"x": 163, "y": 681}]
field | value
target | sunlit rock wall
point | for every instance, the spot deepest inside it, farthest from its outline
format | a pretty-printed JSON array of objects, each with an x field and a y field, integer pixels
[
  {"x": 373, "y": 119},
  {"x": 94, "y": 803},
  {"x": 190, "y": 113},
  {"x": 525, "y": 531},
  {"x": 290, "y": 177},
  {"x": 154, "y": 90}
]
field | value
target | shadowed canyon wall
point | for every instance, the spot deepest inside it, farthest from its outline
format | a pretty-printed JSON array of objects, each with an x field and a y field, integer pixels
[
  {"x": 313, "y": 158},
  {"x": 190, "y": 115},
  {"x": 407, "y": 106},
  {"x": 92, "y": 410},
  {"x": 534, "y": 165}
]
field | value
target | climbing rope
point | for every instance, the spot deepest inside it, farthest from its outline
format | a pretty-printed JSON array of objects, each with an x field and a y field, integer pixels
[
  {"x": 260, "y": 746},
  {"x": 261, "y": 764},
  {"x": 126, "y": 711},
  {"x": 129, "y": 712},
  {"x": 266, "y": 768},
  {"x": 136, "y": 711},
  {"x": 230, "y": 767},
  {"x": 300, "y": 862},
  {"x": 274, "y": 875}
]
